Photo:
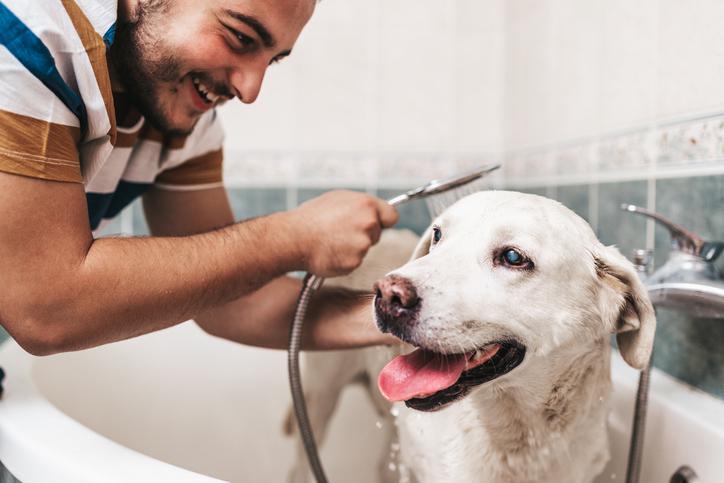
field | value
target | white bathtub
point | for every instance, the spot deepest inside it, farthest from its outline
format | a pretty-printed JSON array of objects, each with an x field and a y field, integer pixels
[{"x": 181, "y": 406}]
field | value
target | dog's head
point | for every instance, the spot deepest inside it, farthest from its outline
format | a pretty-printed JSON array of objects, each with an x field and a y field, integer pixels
[{"x": 498, "y": 279}]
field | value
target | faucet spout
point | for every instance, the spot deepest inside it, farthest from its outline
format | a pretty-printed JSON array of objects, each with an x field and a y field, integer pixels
[{"x": 689, "y": 281}]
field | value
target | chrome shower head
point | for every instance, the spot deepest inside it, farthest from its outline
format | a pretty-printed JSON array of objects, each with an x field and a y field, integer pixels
[{"x": 438, "y": 186}]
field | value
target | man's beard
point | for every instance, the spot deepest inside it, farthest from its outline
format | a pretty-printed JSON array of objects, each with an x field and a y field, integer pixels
[{"x": 143, "y": 65}]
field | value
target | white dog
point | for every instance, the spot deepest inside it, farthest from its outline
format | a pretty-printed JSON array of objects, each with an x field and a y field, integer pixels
[{"x": 508, "y": 302}]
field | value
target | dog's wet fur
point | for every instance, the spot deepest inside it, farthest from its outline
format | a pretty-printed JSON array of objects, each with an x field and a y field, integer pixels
[{"x": 544, "y": 419}]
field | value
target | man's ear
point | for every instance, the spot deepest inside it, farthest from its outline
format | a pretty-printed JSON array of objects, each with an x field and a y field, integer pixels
[
  {"x": 423, "y": 246},
  {"x": 625, "y": 307}
]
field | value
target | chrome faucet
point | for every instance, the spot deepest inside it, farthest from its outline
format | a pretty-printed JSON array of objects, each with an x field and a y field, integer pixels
[{"x": 689, "y": 281}]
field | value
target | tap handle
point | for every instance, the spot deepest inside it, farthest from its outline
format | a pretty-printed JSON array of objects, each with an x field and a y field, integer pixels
[
  {"x": 710, "y": 251},
  {"x": 685, "y": 240}
]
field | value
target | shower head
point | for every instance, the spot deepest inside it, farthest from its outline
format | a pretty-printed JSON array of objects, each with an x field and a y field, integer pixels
[{"x": 438, "y": 186}]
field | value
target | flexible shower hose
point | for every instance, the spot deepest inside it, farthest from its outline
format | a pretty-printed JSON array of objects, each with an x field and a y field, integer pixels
[
  {"x": 311, "y": 283},
  {"x": 633, "y": 470}
]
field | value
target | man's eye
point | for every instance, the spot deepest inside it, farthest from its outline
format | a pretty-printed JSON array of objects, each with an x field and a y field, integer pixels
[{"x": 245, "y": 42}]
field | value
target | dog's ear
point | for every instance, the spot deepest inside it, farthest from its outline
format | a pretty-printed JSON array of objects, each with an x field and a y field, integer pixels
[
  {"x": 423, "y": 246},
  {"x": 625, "y": 306}
]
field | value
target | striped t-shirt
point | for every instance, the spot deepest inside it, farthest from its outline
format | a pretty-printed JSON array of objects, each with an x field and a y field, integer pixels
[{"x": 58, "y": 112}]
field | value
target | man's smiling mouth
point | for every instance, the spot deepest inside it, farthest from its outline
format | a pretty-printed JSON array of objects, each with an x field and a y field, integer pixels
[
  {"x": 202, "y": 93},
  {"x": 203, "y": 90}
]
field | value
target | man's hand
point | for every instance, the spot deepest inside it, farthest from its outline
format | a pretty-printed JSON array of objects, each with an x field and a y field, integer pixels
[
  {"x": 336, "y": 319},
  {"x": 336, "y": 229}
]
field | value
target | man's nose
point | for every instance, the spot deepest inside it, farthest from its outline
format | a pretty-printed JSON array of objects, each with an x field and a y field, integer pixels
[{"x": 247, "y": 82}]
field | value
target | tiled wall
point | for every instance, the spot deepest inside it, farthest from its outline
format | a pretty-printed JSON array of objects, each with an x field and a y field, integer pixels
[
  {"x": 686, "y": 347},
  {"x": 382, "y": 76},
  {"x": 612, "y": 101}
]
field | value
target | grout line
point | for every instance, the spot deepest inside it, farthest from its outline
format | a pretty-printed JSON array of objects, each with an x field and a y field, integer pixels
[
  {"x": 593, "y": 207},
  {"x": 651, "y": 205},
  {"x": 292, "y": 197}
]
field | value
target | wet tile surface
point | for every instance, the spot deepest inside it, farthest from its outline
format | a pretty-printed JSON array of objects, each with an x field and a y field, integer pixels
[
  {"x": 251, "y": 202},
  {"x": 413, "y": 215},
  {"x": 691, "y": 349},
  {"x": 575, "y": 197},
  {"x": 616, "y": 227}
]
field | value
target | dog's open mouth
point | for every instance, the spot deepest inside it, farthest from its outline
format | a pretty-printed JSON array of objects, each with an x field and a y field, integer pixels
[{"x": 428, "y": 381}]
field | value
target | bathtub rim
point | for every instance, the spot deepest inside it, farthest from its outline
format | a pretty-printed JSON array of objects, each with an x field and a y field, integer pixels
[{"x": 26, "y": 415}]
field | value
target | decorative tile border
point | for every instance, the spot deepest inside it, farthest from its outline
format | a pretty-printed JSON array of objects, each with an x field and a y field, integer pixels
[
  {"x": 688, "y": 147},
  {"x": 693, "y": 142},
  {"x": 349, "y": 170},
  {"x": 626, "y": 151}
]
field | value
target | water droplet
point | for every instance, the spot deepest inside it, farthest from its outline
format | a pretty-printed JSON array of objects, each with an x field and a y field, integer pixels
[
  {"x": 395, "y": 446},
  {"x": 395, "y": 411},
  {"x": 392, "y": 466},
  {"x": 378, "y": 425}
]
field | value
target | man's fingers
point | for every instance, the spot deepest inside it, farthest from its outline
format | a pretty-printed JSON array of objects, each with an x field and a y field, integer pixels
[
  {"x": 388, "y": 214},
  {"x": 374, "y": 233}
]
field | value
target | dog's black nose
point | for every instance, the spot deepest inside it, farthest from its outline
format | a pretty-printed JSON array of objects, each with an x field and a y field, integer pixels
[{"x": 396, "y": 303}]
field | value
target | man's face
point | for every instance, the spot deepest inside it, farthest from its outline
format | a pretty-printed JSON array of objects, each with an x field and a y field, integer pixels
[{"x": 179, "y": 58}]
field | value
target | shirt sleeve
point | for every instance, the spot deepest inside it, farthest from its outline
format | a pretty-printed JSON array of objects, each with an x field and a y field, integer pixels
[
  {"x": 38, "y": 134},
  {"x": 200, "y": 164},
  {"x": 39, "y": 149}
]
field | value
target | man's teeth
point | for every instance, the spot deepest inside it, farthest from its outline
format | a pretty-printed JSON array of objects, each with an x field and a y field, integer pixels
[{"x": 204, "y": 91}]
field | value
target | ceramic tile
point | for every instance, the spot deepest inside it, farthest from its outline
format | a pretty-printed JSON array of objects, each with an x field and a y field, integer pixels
[
  {"x": 690, "y": 348},
  {"x": 691, "y": 57},
  {"x": 413, "y": 216},
  {"x": 529, "y": 106},
  {"x": 629, "y": 62},
  {"x": 695, "y": 203},
  {"x": 251, "y": 202},
  {"x": 616, "y": 227},
  {"x": 576, "y": 198}
]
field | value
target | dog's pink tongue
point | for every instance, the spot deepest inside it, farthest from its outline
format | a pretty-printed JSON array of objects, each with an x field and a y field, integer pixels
[{"x": 419, "y": 373}]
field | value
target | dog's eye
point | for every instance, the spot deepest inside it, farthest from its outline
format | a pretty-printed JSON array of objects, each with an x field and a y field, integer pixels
[
  {"x": 513, "y": 258},
  {"x": 436, "y": 234}
]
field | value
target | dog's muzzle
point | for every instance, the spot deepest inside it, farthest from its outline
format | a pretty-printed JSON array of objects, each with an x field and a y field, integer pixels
[{"x": 396, "y": 305}]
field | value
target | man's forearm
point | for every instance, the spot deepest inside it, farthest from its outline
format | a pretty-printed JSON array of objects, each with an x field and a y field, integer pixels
[
  {"x": 129, "y": 286},
  {"x": 336, "y": 319}
]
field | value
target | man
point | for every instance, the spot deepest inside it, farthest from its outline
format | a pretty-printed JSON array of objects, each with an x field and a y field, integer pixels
[{"x": 100, "y": 103}]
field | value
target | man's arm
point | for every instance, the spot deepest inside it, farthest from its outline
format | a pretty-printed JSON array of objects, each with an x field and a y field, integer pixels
[
  {"x": 336, "y": 318},
  {"x": 62, "y": 290}
]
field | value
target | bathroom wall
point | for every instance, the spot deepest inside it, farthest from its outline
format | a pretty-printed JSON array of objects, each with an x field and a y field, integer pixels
[
  {"x": 378, "y": 96},
  {"x": 610, "y": 102}
]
